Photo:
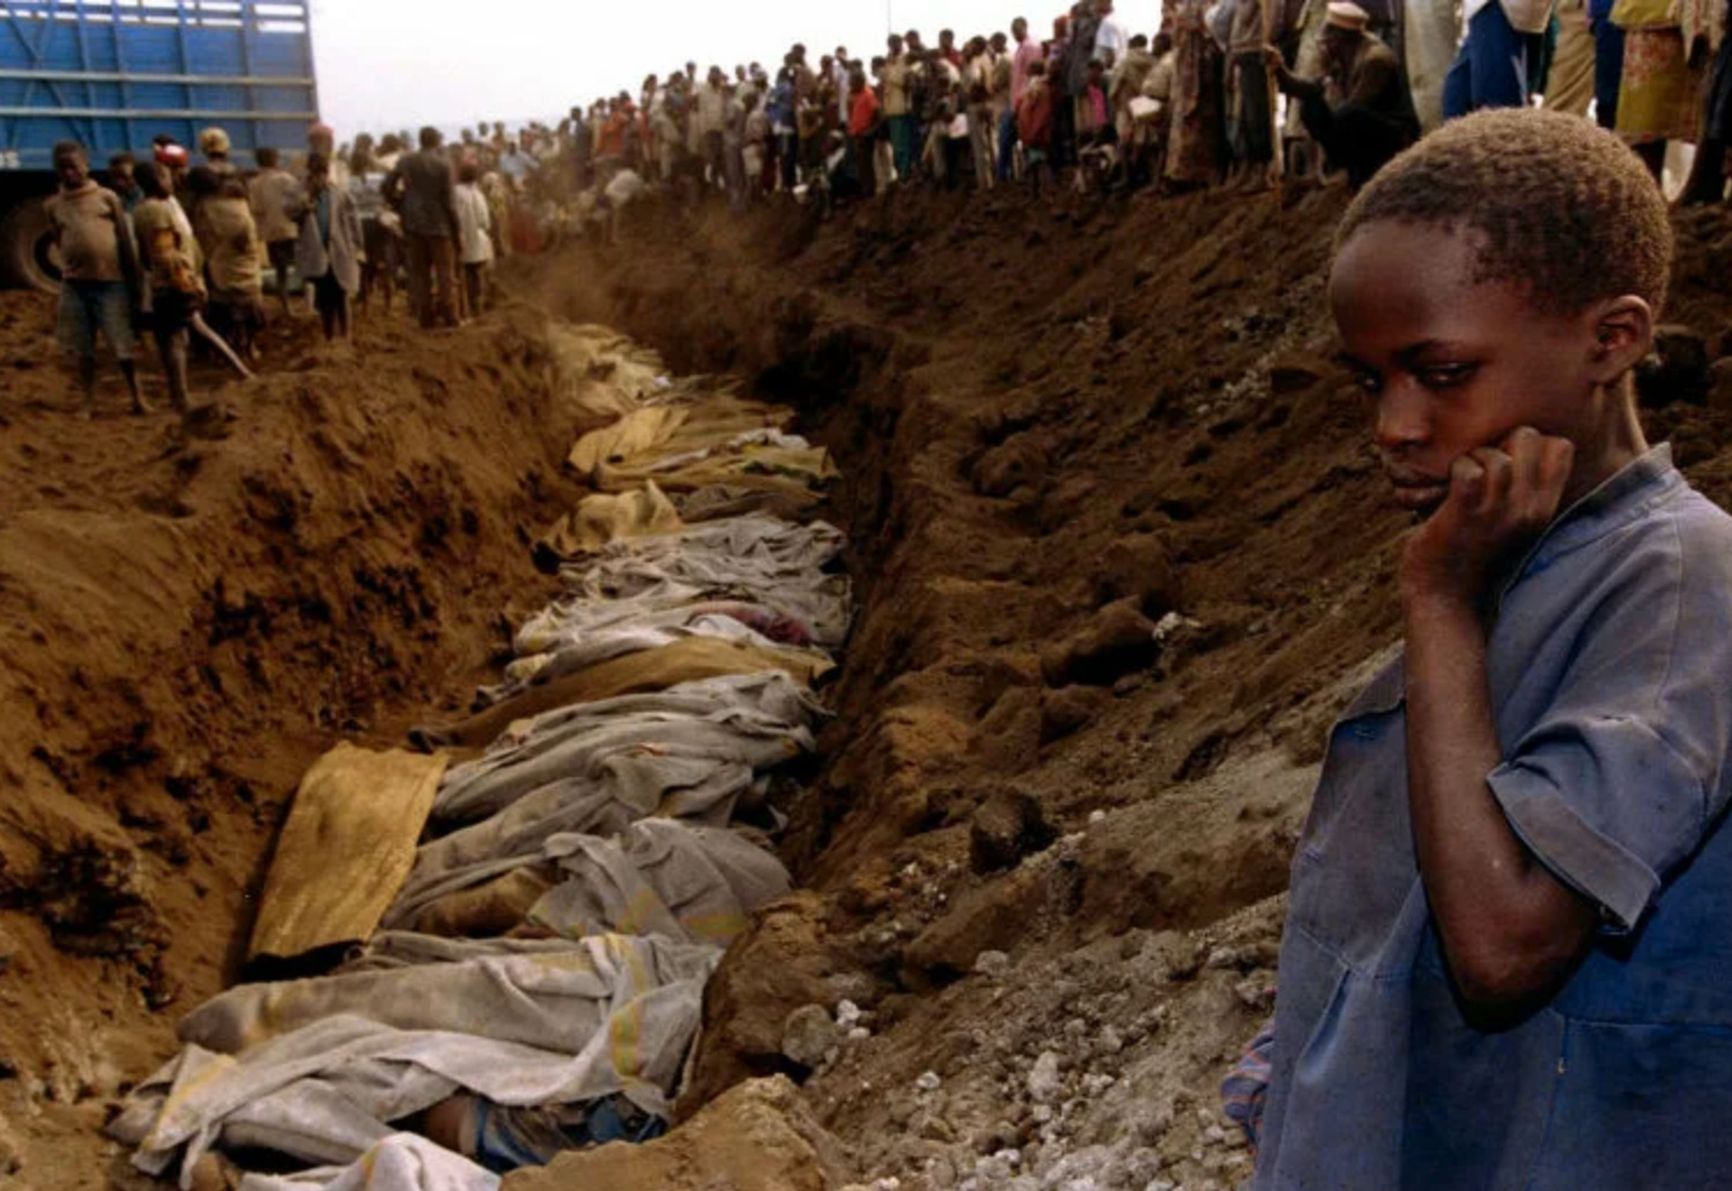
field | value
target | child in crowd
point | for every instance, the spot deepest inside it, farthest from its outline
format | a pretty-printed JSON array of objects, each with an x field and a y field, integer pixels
[
  {"x": 99, "y": 264},
  {"x": 223, "y": 221},
  {"x": 1508, "y": 954},
  {"x": 474, "y": 234},
  {"x": 1034, "y": 125},
  {"x": 171, "y": 267},
  {"x": 328, "y": 251}
]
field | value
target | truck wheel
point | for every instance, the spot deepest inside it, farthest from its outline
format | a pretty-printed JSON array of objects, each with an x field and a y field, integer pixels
[{"x": 28, "y": 256}]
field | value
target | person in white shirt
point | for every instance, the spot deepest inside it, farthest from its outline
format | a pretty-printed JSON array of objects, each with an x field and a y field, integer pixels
[
  {"x": 1111, "y": 40},
  {"x": 840, "y": 72},
  {"x": 474, "y": 235}
]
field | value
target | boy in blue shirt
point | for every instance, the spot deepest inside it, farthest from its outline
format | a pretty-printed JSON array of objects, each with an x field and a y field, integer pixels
[{"x": 1508, "y": 953}]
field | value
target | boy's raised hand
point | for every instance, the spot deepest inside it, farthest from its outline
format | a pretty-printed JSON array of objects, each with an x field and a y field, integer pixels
[{"x": 1500, "y": 499}]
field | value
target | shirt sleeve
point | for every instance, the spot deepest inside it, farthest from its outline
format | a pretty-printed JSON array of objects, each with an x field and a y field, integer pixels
[{"x": 1616, "y": 784}]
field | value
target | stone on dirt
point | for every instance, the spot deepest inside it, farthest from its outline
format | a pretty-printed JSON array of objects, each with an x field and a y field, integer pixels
[
  {"x": 1068, "y": 709},
  {"x": 759, "y": 1136},
  {"x": 808, "y": 1035},
  {"x": 994, "y": 917},
  {"x": 778, "y": 966},
  {"x": 1138, "y": 568},
  {"x": 1017, "y": 463},
  {"x": 1044, "y": 1081},
  {"x": 1006, "y": 827},
  {"x": 1115, "y": 641},
  {"x": 11, "y": 1161}
]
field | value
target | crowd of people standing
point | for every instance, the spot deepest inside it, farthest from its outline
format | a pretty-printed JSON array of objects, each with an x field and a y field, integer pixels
[
  {"x": 184, "y": 248},
  {"x": 1193, "y": 103}
]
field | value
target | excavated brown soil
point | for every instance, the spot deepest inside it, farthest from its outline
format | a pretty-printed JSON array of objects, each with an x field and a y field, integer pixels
[
  {"x": 1046, "y": 854},
  {"x": 185, "y": 625}
]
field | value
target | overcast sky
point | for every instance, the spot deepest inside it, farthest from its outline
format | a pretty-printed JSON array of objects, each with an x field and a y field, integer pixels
[{"x": 401, "y": 63}]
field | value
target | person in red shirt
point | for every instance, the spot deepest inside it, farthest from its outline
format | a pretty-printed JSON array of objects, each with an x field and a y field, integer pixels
[
  {"x": 863, "y": 132},
  {"x": 1034, "y": 123},
  {"x": 947, "y": 47},
  {"x": 613, "y": 131}
]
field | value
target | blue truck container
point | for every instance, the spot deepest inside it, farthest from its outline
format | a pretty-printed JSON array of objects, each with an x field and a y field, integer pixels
[{"x": 114, "y": 74}]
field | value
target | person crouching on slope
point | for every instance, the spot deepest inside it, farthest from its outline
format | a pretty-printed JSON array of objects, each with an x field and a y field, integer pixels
[{"x": 1508, "y": 953}]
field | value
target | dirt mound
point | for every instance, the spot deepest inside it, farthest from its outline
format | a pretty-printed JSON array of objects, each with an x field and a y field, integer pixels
[
  {"x": 185, "y": 624},
  {"x": 1124, "y": 554}
]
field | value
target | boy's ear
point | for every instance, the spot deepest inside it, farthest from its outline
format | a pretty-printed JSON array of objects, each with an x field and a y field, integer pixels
[{"x": 1623, "y": 331}]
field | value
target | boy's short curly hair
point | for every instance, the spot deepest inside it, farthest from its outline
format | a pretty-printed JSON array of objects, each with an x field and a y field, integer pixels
[{"x": 1562, "y": 208}]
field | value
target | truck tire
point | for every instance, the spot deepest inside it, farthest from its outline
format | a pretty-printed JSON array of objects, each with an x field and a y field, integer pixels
[{"x": 27, "y": 254}]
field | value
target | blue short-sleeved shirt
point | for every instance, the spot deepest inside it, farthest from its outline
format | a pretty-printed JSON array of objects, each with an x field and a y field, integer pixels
[{"x": 1610, "y": 666}]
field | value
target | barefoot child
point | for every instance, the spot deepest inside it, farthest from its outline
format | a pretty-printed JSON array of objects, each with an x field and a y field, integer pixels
[
  {"x": 1508, "y": 953},
  {"x": 99, "y": 263},
  {"x": 169, "y": 255},
  {"x": 233, "y": 257}
]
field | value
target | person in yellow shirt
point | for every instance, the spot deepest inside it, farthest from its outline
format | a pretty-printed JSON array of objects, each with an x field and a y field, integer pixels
[{"x": 898, "y": 108}]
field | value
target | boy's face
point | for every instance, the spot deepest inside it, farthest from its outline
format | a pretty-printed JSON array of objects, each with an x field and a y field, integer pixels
[
  {"x": 72, "y": 170},
  {"x": 1451, "y": 364}
]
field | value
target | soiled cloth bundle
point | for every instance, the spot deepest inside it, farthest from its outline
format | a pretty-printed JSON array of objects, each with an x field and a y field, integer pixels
[
  {"x": 570, "y": 620},
  {"x": 773, "y": 562},
  {"x": 632, "y": 745},
  {"x": 690, "y": 752},
  {"x": 681, "y": 661},
  {"x": 658, "y": 877},
  {"x": 315, "y": 1069},
  {"x": 746, "y": 623}
]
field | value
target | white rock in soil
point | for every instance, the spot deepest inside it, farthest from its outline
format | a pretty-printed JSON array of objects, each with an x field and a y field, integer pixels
[
  {"x": 1044, "y": 1081},
  {"x": 992, "y": 963},
  {"x": 808, "y": 1035},
  {"x": 847, "y": 1015},
  {"x": 928, "y": 1081}
]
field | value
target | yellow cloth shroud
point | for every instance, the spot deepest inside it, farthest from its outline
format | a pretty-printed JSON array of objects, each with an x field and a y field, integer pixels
[
  {"x": 637, "y": 434},
  {"x": 603, "y": 518},
  {"x": 347, "y": 846}
]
